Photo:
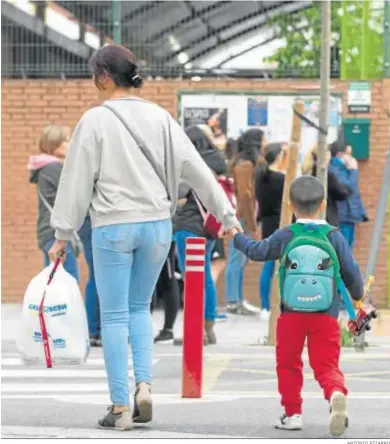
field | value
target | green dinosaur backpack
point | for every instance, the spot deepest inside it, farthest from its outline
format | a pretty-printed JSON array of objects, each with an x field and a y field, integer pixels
[{"x": 309, "y": 272}]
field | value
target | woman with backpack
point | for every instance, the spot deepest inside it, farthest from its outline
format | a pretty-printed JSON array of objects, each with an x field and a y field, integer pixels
[
  {"x": 124, "y": 165},
  {"x": 269, "y": 187},
  {"x": 188, "y": 221}
]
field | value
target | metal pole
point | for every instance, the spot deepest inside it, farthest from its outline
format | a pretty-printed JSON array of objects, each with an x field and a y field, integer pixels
[
  {"x": 322, "y": 166},
  {"x": 386, "y": 57},
  {"x": 116, "y": 18},
  {"x": 377, "y": 231}
]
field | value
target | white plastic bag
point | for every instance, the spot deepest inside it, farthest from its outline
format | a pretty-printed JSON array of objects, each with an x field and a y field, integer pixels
[{"x": 65, "y": 318}]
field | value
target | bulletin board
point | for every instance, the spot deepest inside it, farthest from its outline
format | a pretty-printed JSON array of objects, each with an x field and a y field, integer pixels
[{"x": 272, "y": 112}]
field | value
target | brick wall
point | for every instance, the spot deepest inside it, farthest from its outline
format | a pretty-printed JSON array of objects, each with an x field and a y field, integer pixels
[{"x": 28, "y": 106}]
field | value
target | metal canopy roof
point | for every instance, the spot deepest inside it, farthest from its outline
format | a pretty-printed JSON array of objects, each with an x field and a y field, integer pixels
[{"x": 158, "y": 31}]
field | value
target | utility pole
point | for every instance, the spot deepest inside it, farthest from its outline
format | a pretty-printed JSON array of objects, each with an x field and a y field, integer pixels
[
  {"x": 322, "y": 166},
  {"x": 116, "y": 21}
]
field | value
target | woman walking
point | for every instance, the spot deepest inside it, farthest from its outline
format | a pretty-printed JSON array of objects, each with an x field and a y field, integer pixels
[{"x": 124, "y": 165}]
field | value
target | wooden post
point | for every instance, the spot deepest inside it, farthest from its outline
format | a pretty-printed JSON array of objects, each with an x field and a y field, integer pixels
[{"x": 286, "y": 214}]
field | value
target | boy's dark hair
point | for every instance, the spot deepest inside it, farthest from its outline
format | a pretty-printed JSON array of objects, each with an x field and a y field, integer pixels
[{"x": 307, "y": 194}]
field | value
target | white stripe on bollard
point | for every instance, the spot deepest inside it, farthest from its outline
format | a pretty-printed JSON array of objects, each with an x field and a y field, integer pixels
[
  {"x": 195, "y": 247},
  {"x": 193, "y": 257},
  {"x": 194, "y": 267}
]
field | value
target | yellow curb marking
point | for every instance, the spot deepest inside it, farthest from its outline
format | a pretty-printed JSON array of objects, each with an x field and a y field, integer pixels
[{"x": 212, "y": 370}]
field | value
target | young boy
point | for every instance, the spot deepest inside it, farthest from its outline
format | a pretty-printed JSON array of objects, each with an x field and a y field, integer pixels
[{"x": 314, "y": 258}]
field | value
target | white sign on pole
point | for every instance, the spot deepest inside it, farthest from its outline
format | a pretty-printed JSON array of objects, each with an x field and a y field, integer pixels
[{"x": 359, "y": 97}]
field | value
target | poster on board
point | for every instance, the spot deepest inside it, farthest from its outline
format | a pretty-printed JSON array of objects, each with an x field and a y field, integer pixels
[
  {"x": 197, "y": 115},
  {"x": 272, "y": 113},
  {"x": 258, "y": 111}
]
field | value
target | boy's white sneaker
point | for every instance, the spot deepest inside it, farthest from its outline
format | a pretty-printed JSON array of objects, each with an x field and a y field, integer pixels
[
  {"x": 338, "y": 414},
  {"x": 293, "y": 422}
]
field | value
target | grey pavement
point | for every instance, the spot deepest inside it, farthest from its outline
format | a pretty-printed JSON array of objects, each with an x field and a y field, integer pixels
[{"x": 240, "y": 396}]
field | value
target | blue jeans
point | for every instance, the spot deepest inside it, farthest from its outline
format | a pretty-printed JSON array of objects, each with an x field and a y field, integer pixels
[
  {"x": 265, "y": 284},
  {"x": 128, "y": 259},
  {"x": 348, "y": 231},
  {"x": 70, "y": 263},
  {"x": 91, "y": 296},
  {"x": 210, "y": 306},
  {"x": 234, "y": 275}
]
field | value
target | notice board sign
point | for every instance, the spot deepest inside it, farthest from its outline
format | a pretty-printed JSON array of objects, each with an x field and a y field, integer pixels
[{"x": 359, "y": 97}]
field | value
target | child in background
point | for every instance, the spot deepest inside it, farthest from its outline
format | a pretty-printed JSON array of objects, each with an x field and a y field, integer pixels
[{"x": 314, "y": 257}]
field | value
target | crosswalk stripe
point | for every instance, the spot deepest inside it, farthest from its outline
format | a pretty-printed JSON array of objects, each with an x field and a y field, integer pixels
[
  {"x": 53, "y": 373},
  {"x": 60, "y": 387},
  {"x": 95, "y": 362},
  {"x": 77, "y": 433}
]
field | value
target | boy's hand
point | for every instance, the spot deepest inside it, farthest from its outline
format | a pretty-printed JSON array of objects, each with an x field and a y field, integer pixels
[
  {"x": 229, "y": 234},
  {"x": 256, "y": 235}
]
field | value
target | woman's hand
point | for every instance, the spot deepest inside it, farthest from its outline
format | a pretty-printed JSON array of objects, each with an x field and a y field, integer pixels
[
  {"x": 229, "y": 234},
  {"x": 58, "y": 249}
]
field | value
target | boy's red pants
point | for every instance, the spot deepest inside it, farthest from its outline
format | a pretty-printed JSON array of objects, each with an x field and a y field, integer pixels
[{"x": 323, "y": 344}]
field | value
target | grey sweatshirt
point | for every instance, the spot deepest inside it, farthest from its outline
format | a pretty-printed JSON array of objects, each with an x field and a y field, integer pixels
[{"x": 106, "y": 173}]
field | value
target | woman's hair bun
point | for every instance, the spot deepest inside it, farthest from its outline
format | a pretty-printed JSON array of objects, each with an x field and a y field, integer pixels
[{"x": 137, "y": 81}]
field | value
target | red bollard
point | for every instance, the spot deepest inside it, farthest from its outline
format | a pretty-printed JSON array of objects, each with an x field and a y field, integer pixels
[{"x": 193, "y": 318}]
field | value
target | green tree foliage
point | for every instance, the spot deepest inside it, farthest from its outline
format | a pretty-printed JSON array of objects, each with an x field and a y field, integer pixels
[
  {"x": 301, "y": 33},
  {"x": 356, "y": 30},
  {"x": 362, "y": 43}
]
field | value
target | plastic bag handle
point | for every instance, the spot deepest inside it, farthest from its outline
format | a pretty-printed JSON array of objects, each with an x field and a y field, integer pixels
[{"x": 45, "y": 336}]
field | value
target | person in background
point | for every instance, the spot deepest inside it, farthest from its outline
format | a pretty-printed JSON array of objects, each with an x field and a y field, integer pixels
[
  {"x": 45, "y": 171},
  {"x": 188, "y": 222},
  {"x": 336, "y": 190},
  {"x": 168, "y": 288},
  {"x": 243, "y": 173},
  {"x": 348, "y": 150},
  {"x": 91, "y": 296},
  {"x": 216, "y": 124},
  {"x": 218, "y": 138},
  {"x": 350, "y": 211},
  {"x": 269, "y": 187},
  {"x": 131, "y": 190}
]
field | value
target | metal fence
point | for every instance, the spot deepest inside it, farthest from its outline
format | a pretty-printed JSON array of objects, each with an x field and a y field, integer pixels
[{"x": 169, "y": 38}]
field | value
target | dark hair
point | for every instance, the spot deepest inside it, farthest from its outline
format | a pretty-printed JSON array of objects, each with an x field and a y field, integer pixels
[
  {"x": 307, "y": 194},
  {"x": 119, "y": 63},
  {"x": 270, "y": 153},
  {"x": 249, "y": 145},
  {"x": 337, "y": 147}
]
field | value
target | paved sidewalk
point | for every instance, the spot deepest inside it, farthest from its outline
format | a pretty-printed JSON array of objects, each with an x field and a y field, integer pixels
[{"x": 240, "y": 396}]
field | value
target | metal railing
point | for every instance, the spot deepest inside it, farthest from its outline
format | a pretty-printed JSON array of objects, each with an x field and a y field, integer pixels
[{"x": 170, "y": 39}]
